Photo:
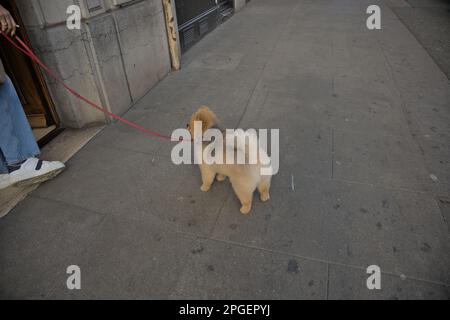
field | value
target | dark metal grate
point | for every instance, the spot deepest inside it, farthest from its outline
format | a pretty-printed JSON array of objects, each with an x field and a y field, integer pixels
[
  {"x": 193, "y": 29},
  {"x": 189, "y": 36},
  {"x": 203, "y": 27}
]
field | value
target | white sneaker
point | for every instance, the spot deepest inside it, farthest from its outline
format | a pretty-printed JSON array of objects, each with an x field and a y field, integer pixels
[
  {"x": 34, "y": 171},
  {"x": 5, "y": 181}
]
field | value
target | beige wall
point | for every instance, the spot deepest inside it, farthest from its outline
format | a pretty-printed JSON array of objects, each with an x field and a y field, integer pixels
[{"x": 118, "y": 55}]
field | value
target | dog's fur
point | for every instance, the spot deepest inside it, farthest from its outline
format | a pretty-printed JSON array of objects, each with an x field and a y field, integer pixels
[{"x": 245, "y": 178}]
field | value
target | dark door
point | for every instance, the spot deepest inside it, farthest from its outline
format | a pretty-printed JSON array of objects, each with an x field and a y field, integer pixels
[
  {"x": 190, "y": 9},
  {"x": 197, "y": 17}
]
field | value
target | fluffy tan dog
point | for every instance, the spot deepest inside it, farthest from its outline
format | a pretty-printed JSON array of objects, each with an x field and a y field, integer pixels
[{"x": 245, "y": 178}]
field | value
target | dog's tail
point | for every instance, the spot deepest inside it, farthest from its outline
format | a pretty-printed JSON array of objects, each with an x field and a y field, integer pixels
[{"x": 207, "y": 117}]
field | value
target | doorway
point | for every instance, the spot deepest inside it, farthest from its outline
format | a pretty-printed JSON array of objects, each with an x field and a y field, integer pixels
[
  {"x": 196, "y": 18},
  {"x": 29, "y": 82}
]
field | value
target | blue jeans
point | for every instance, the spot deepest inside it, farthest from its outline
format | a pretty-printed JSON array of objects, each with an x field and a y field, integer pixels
[{"x": 17, "y": 142}]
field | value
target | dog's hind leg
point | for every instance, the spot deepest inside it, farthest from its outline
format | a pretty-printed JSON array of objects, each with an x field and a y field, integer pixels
[
  {"x": 220, "y": 177},
  {"x": 264, "y": 188},
  {"x": 208, "y": 176},
  {"x": 245, "y": 194}
]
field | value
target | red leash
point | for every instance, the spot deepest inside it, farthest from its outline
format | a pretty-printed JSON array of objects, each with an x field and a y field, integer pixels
[{"x": 28, "y": 52}]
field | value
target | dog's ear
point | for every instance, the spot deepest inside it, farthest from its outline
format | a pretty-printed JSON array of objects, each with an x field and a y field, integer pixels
[
  {"x": 201, "y": 117},
  {"x": 206, "y": 116},
  {"x": 204, "y": 108}
]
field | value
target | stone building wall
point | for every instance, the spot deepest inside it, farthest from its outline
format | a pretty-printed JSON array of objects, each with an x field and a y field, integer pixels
[{"x": 117, "y": 56}]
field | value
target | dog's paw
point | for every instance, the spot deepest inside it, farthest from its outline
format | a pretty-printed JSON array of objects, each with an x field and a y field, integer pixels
[
  {"x": 220, "y": 177},
  {"x": 245, "y": 209},
  {"x": 265, "y": 197},
  {"x": 205, "y": 188}
]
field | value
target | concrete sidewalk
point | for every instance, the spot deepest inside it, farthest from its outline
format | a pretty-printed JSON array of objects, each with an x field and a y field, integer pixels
[{"x": 364, "y": 179}]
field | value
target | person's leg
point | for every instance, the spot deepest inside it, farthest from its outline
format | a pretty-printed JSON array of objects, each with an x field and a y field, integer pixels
[
  {"x": 5, "y": 180},
  {"x": 17, "y": 142},
  {"x": 3, "y": 164},
  {"x": 18, "y": 147}
]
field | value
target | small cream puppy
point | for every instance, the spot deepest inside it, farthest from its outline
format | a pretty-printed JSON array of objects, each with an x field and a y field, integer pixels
[{"x": 244, "y": 178}]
